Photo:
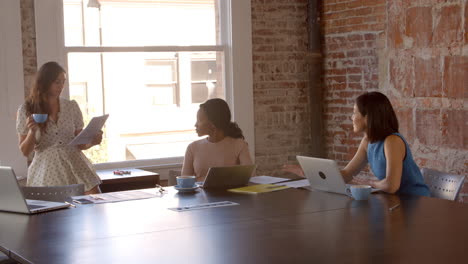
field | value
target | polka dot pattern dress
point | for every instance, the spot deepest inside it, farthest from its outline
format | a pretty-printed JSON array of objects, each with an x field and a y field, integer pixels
[{"x": 55, "y": 163}]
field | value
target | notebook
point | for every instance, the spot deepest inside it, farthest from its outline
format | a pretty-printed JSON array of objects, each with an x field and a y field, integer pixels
[
  {"x": 324, "y": 175},
  {"x": 228, "y": 177},
  {"x": 12, "y": 199},
  {"x": 259, "y": 188}
]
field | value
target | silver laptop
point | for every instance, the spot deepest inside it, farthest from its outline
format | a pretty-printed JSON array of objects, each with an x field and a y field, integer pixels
[
  {"x": 324, "y": 175},
  {"x": 228, "y": 177},
  {"x": 12, "y": 199}
]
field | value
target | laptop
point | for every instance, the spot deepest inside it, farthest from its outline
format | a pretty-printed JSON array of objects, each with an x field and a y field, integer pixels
[
  {"x": 12, "y": 199},
  {"x": 228, "y": 177},
  {"x": 324, "y": 175}
]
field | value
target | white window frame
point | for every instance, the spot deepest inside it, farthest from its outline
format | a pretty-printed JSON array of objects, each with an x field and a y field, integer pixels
[
  {"x": 11, "y": 85},
  {"x": 236, "y": 42}
]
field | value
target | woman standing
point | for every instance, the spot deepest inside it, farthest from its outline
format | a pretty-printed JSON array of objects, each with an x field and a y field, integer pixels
[
  {"x": 224, "y": 146},
  {"x": 54, "y": 163}
]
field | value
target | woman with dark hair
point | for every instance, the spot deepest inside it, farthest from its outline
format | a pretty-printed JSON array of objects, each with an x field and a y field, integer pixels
[
  {"x": 54, "y": 163},
  {"x": 224, "y": 146},
  {"x": 386, "y": 151}
]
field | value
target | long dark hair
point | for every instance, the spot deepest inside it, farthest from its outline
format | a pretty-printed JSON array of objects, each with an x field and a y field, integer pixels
[
  {"x": 36, "y": 102},
  {"x": 218, "y": 113},
  {"x": 381, "y": 119}
]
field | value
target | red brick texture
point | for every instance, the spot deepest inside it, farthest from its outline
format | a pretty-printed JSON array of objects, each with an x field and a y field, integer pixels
[
  {"x": 281, "y": 79},
  {"x": 416, "y": 53}
]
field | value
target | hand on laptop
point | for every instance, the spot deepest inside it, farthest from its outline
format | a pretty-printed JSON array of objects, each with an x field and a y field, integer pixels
[{"x": 293, "y": 168}]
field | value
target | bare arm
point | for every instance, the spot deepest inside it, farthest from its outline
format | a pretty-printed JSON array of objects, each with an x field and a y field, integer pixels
[
  {"x": 395, "y": 150},
  {"x": 28, "y": 141},
  {"x": 187, "y": 167},
  {"x": 357, "y": 163}
]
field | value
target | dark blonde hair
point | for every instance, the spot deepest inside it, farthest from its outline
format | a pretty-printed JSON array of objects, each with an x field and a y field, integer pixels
[
  {"x": 36, "y": 102},
  {"x": 381, "y": 118}
]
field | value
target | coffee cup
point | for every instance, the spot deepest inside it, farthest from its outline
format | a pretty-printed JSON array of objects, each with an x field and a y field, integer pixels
[
  {"x": 186, "y": 181},
  {"x": 360, "y": 192},
  {"x": 40, "y": 118}
]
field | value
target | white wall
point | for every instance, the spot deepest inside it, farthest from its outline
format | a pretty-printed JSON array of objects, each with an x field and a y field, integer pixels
[{"x": 11, "y": 85}]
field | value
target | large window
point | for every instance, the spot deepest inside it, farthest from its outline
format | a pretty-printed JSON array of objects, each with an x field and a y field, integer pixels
[
  {"x": 152, "y": 97},
  {"x": 149, "y": 64}
]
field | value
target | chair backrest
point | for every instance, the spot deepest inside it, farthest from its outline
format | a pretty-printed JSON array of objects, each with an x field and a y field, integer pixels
[
  {"x": 53, "y": 193},
  {"x": 172, "y": 180},
  {"x": 443, "y": 185}
]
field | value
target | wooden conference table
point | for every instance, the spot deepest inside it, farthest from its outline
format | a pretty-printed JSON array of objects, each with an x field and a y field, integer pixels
[{"x": 289, "y": 226}]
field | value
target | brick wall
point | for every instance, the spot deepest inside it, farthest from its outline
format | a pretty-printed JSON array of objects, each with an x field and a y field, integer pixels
[
  {"x": 281, "y": 80},
  {"x": 416, "y": 52}
]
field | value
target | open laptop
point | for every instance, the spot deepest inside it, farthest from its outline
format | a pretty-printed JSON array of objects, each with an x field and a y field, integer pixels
[
  {"x": 228, "y": 177},
  {"x": 12, "y": 199},
  {"x": 324, "y": 175}
]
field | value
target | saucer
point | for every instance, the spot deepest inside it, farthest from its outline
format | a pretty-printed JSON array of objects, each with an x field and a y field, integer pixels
[{"x": 191, "y": 189}]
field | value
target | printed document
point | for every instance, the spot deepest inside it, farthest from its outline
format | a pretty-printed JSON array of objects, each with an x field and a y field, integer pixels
[{"x": 90, "y": 131}]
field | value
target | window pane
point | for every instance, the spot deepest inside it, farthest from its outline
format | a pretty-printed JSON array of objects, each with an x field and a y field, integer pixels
[
  {"x": 151, "y": 98},
  {"x": 141, "y": 23}
]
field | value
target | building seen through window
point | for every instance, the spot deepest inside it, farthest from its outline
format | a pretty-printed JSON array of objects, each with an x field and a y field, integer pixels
[{"x": 151, "y": 96}]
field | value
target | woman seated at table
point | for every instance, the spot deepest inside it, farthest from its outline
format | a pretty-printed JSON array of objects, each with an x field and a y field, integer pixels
[
  {"x": 386, "y": 150},
  {"x": 224, "y": 146}
]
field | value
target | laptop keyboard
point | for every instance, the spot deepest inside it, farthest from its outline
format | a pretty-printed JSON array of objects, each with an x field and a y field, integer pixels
[{"x": 33, "y": 206}]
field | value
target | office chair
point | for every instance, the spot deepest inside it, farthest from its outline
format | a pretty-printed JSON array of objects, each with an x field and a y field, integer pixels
[{"x": 443, "y": 185}]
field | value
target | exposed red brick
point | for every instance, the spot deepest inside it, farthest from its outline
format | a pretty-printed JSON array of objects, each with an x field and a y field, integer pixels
[
  {"x": 405, "y": 120},
  {"x": 456, "y": 77},
  {"x": 454, "y": 127},
  {"x": 428, "y": 126},
  {"x": 466, "y": 23},
  {"x": 448, "y": 26},
  {"x": 401, "y": 74},
  {"x": 427, "y": 77},
  {"x": 419, "y": 25}
]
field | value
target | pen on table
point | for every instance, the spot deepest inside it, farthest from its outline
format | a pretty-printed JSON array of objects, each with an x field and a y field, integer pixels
[
  {"x": 393, "y": 207},
  {"x": 71, "y": 205}
]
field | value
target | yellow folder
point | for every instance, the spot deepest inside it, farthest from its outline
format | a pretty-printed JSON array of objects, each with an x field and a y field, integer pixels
[{"x": 259, "y": 188}]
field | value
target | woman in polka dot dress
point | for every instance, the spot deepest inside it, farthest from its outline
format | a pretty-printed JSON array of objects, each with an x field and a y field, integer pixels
[{"x": 54, "y": 163}]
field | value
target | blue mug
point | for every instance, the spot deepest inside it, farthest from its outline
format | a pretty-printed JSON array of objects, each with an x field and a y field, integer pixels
[
  {"x": 40, "y": 118},
  {"x": 360, "y": 192},
  {"x": 186, "y": 181}
]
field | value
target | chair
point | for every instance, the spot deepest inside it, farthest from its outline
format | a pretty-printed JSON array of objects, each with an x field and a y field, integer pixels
[
  {"x": 4, "y": 259},
  {"x": 53, "y": 193},
  {"x": 172, "y": 180},
  {"x": 443, "y": 185}
]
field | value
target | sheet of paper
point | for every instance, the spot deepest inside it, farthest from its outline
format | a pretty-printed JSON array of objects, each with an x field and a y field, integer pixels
[
  {"x": 266, "y": 179},
  {"x": 90, "y": 131},
  {"x": 112, "y": 197},
  {"x": 296, "y": 184},
  {"x": 203, "y": 206}
]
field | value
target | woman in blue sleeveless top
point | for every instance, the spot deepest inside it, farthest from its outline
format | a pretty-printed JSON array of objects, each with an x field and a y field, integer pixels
[{"x": 386, "y": 151}]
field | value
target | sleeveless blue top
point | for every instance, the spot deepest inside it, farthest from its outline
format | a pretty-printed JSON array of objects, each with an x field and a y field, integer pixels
[{"x": 412, "y": 181}]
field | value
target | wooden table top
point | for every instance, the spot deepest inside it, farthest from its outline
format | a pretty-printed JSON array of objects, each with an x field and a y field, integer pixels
[{"x": 289, "y": 226}]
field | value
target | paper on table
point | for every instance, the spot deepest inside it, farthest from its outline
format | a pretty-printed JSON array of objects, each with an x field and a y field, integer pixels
[
  {"x": 87, "y": 134},
  {"x": 203, "y": 206},
  {"x": 266, "y": 179},
  {"x": 112, "y": 197},
  {"x": 296, "y": 184}
]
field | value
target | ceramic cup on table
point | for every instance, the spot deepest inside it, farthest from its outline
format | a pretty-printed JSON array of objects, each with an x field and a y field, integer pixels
[
  {"x": 186, "y": 181},
  {"x": 360, "y": 192}
]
